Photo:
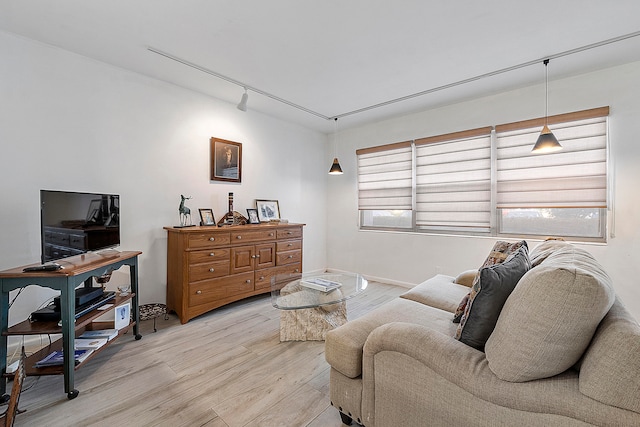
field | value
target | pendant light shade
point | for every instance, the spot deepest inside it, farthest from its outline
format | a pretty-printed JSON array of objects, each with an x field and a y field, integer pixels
[
  {"x": 242, "y": 106},
  {"x": 547, "y": 142},
  {"x": 335, "y": 167}
]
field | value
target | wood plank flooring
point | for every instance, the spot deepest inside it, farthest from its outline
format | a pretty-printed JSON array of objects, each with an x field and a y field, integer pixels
[{"x": 226, "y": 368}]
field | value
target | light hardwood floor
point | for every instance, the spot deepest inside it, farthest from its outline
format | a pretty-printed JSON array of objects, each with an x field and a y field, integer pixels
[{"x": 226, "y": 368}]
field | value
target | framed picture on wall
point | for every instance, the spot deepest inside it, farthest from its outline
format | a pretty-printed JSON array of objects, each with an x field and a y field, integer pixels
[
  {"x": 226, "y": 160},
  {"x": 268, "y": 210}
]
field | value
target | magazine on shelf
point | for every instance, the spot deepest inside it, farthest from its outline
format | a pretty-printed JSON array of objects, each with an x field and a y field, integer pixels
[
  {"x": 57, "y": 358},
  {"x": 320, "y": 284},
  {"x": 90, "y": 343},
  {"x": 109, "y": 334}
]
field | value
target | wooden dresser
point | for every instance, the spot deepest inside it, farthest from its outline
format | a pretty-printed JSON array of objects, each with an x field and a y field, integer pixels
[{"x": 208, "y": 267}]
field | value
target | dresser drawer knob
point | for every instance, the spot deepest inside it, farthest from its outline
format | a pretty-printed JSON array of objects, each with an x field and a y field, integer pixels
[
  {"x": 238, "y": 237},
  {"x": 248, "y": 280},
  {"x": 290, "y": 244},
  {"x": 297, "y": 270},
  {"x": 253, "y": 256},
  {"x": 289, "y": 232},
  {"x": 290, "y": 256},
  {"x": 261, "y": 277},
  {"x": 211, "y": 239},
  {"x": 270, "y": 234},
  {"x": 198, "y": 292},
  {"x": 211, "y": 270},
  {"x": 212, "y": 254},
  {"x": 258, "y": 256}
]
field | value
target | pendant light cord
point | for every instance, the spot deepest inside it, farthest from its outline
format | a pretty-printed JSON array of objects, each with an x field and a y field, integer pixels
[{"x": 546, "y": 91}]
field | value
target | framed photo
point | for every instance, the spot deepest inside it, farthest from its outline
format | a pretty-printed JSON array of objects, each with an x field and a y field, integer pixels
[
  {"x": 226, "y": 160},
  {"x": 122, "y": 316},
  {"x": 268, "y": 210},
  {"x": 253, "y": 216},
  {"x": 206, "y": 217}
]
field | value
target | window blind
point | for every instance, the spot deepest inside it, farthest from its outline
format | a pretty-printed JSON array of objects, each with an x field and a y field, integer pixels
[
  {"x": 453, "y": 180},
  {"x": 575, "y": 177},
  {"x": 385, "y": 177}
]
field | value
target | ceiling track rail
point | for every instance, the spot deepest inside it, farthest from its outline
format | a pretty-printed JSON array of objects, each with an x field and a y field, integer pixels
[
  {"x": 236, "y": 82},
  {"x": 403, "y": 98}
]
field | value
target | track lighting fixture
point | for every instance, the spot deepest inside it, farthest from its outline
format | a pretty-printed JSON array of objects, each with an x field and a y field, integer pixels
[{"x": 242, "y": 106}]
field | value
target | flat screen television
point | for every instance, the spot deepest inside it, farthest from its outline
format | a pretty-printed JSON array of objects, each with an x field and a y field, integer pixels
[{"x": 73, "y": 223}]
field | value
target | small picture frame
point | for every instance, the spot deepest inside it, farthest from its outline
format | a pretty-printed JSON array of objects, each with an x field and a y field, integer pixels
[
  {"x": 206, "y": 217},
  {"x": 268, "y": 210},
  {"x": 122, "y": 316},
  {"x": 226, "y": 160},
  {"x": 252, "y": 214}
]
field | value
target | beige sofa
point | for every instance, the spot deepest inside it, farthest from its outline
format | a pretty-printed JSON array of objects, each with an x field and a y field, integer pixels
[{"x": 564, "y": 351}]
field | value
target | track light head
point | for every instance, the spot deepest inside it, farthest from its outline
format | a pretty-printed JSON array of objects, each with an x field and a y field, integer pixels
[{"x": 242, "y": 106}]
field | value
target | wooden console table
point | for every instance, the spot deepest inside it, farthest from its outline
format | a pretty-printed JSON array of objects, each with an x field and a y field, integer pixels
[{"x": 77, "y": 269}]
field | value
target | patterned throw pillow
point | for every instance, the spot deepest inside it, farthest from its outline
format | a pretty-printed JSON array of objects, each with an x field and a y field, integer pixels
[{"x": 500, "y": 251}]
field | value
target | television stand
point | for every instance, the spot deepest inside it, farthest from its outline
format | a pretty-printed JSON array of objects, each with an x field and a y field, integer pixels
[{"x": 77, "y": 270}]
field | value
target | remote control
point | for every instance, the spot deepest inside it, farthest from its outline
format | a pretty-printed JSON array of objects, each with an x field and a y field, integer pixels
[{"x": 46, "y": 267}]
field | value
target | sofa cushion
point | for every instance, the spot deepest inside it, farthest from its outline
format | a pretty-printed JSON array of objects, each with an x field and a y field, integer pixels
[
  {"x": 500, "y": 252},
  {"x": 343, "y": 345},
  {"x": 613, "y": 354},
  {"x": 550, "y": 317},
  {"x": 538, "y": 254},
  {"x": 440, "y": 292},
  {"x": 488, "y": 296}
]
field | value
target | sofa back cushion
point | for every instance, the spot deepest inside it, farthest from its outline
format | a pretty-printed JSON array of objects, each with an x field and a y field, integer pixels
[
  {"x": 550, "y": 317},
  {"x": 610, "y": 370},
  {"x": 538, "y": 254}
]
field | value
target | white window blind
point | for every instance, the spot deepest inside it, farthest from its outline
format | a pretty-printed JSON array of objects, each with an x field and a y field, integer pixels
[
  {"x": 453, "y": 180},
  {"x": 385, "y": 177},
  {"x": 575, "y": 177}
]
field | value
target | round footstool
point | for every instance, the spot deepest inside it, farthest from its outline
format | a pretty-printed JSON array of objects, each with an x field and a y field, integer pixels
[{"x": 152, "y": 311}]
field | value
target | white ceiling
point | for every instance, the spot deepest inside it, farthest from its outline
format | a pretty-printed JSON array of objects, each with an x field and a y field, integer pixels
[{"x": 337, "y": 56}]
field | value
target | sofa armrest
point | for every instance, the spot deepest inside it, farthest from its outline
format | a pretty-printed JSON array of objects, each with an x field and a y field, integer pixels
[
  {"x": 430, "y": 366},
  {"x": 466, "y": 278},
  {"x": 457, "y": 362}
]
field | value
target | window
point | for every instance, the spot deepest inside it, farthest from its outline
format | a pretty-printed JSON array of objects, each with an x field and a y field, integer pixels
[
  {"x": 476, "y": 182},
  {"x": 385, "y": 193},
  {"x": 563, "y": 193},
  {"x": 453, "y": 181}
]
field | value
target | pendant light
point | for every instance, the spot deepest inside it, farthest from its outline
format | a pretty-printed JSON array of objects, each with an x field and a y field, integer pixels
[
  {"x": 335, "y": 167},
  {"x": 242, "y": 106},
  {"x": 547, "y": 142}
]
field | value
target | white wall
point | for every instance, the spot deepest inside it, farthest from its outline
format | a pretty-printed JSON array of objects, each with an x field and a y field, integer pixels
[
  {"x": 412, "y": 258},
  {"x": 71, "y": 123}
]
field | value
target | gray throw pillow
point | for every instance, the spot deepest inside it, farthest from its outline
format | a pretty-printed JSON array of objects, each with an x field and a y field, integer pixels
[{"x": 487, "y": 297}]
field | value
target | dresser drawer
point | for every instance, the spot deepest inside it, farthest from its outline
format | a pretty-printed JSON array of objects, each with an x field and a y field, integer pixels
[
  {"x": 198, "y": 257},
  {"x": 284, "y": 273},
  {"x": 60, "y": 239},
  {"x": 288, "y": 245},
  {"x": 289, "y": 233},
  {"x": 208, "y": 270},
  {"x": 239, "y": 236},
  {"x": 78, "y": 241},
  {"x": 207, "y": 240},
  {"x": 217, "y": 289},
  {"x": 289, "y": 257}
]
